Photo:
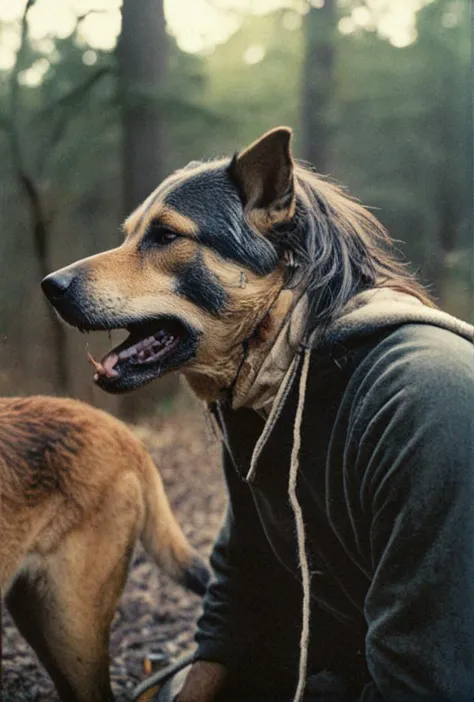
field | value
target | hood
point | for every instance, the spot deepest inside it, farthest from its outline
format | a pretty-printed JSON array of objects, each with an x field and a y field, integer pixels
[
  {"x": 373, "y": 310},
  {"x": 365, "y": 314},
  {"x": 259, "y": 388}
]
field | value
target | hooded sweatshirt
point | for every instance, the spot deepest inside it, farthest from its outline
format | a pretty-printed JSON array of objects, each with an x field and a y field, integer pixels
[{"x": 386, "y": 487}]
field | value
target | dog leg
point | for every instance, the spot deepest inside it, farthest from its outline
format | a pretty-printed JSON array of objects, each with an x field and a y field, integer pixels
[
  {"x": 66, "y": 612},
  {"x": 34, "y": 610}
]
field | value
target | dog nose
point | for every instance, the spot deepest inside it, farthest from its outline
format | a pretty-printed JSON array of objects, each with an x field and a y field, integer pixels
[{"x": 56, "y": 284}]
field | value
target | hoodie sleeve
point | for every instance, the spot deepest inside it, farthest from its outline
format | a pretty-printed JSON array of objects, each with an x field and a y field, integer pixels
[
  {"x": 416, "y": 472},
  {"x": 243, "y": 625}
]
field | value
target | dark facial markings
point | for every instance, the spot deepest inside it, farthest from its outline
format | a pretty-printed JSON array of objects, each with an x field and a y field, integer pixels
[
  {"x": 200, "y": 286},
  {"x": 212, "y": 201}
]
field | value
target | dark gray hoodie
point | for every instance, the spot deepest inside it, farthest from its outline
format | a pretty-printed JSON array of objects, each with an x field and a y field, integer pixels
[{"x": 386, "y": 486}]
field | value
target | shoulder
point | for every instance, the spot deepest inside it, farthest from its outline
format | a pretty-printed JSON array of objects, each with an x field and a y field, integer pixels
[
  {"x": 411, "y": 417},
  {"x": 413, "y": 393},
  {"x": 426, "y": 364}
]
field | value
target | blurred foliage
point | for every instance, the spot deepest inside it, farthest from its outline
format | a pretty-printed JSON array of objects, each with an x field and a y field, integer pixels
[{"x": 399, "y": 125}]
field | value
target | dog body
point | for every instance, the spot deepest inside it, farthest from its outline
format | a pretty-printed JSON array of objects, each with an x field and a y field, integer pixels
[{"x": 77, "y": 491}]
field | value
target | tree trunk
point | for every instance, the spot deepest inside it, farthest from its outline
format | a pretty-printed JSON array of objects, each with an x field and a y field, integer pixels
[
  {"x": 142, "y": 54},
  {"x": 41, "y": 246},
  {"x": 142, "y": 60},
  {"x": 40, "y": 224},
  {"x": 317, "y": 83}
]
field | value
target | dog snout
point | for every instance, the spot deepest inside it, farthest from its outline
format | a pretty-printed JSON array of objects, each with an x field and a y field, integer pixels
[{"x": 56, "y": 284}]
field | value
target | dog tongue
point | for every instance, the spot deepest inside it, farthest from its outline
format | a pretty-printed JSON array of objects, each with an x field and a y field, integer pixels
[{"x": 106, "y": 368}]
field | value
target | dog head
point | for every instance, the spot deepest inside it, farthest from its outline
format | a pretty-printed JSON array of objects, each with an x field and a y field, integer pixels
[{"x": 198, "y": 274}]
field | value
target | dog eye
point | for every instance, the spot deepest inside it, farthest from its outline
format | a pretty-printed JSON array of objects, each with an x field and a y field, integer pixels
[{"x": 162, "y": 236}]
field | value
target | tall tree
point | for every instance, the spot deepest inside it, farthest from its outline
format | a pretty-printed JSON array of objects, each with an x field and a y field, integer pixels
[
  {"x": 317, "y": 81},
  {"x": 443, "y": 45},
  {"x": 40, "y": 224},
  {"x": 142, "y": 54},
  {"x": 142, "y": 60}
]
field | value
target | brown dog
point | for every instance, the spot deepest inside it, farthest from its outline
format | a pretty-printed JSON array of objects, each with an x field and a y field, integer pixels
[{"x": 77, "y": 491}]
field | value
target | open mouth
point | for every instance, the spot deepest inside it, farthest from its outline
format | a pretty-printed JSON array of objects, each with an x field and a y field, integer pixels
[{"x": 152, "y": 349}]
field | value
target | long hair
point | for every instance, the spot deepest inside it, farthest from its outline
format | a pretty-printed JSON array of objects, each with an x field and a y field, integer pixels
[{"x": 336, "y": 248}]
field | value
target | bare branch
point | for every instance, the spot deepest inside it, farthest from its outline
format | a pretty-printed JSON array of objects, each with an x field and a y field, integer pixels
[
  {"x": 81, "y": 18},
  {"x": 12, "y": 122},
  {"x": 15, "y": 91},
  {"x": 38, "y": 215},
  {"x": 78, "y": 91},
  {"x": 62, "y": 116}
]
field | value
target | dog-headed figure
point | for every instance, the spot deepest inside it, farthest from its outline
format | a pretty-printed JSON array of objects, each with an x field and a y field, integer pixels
[{"x": 212, "y": 263}]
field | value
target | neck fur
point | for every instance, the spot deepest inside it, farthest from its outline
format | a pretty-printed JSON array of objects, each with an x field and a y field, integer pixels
[{"x": 216, "y": 381}]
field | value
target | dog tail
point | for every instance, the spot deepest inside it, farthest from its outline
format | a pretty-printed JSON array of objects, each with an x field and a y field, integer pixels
[{"x": 163, "y": 538}]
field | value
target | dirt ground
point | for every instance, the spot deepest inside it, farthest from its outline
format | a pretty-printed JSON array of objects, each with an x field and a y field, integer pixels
[{"x": 154, "y": 615}]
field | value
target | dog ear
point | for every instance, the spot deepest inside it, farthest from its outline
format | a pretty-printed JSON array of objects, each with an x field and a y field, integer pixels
[{"x": 263, "y": 172}]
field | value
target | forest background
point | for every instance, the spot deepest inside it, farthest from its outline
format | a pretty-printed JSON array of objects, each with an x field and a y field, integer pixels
[{"x": 101, "y": 99}]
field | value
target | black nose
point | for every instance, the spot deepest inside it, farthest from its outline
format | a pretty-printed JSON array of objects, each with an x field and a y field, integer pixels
[{"x": 56, "y": 284}]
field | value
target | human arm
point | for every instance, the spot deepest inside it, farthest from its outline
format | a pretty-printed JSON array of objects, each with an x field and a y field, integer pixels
[{"x": 244, "y": 628}]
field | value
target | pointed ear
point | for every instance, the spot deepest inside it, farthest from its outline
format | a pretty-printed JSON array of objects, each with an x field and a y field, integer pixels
[{"x": 263, "y": 172}]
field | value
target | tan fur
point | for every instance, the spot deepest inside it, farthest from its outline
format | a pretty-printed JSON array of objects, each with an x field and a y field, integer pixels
[
  {"x": 77, "y": 491},
  {"x": 166, "y": 215},
  {"x": 220, "y": 351},
  {"x": 262, "y": 220},
  {"x": 141, "y": 287}
]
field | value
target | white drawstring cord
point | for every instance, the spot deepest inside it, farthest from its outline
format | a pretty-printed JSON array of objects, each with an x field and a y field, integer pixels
[{"x": 300, "y": 530}]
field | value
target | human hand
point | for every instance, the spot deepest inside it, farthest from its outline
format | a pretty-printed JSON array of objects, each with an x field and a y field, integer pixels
[{"x": 203, "y": 683}]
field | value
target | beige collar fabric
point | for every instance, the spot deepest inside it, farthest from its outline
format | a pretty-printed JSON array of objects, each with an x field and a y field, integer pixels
[{"x": 257, "y": 389}]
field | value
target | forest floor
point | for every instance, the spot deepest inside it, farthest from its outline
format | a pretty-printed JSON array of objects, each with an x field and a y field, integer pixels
[{"x": 154, "y": 616}]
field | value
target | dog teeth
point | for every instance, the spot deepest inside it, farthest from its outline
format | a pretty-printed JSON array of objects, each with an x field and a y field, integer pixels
[
  {"x": 127, "y": 353},
  {"x": 149, "y": 348},
  {"x": 106, "y": 368}
]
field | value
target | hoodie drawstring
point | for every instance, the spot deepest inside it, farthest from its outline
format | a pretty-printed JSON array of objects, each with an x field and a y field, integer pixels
[
  {"x": 300, "y": 529},
  {"x": 280, "y": 399}
]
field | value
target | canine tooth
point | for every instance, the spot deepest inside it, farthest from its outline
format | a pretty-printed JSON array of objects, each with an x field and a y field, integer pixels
[{"x": 98, "y": 367}]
